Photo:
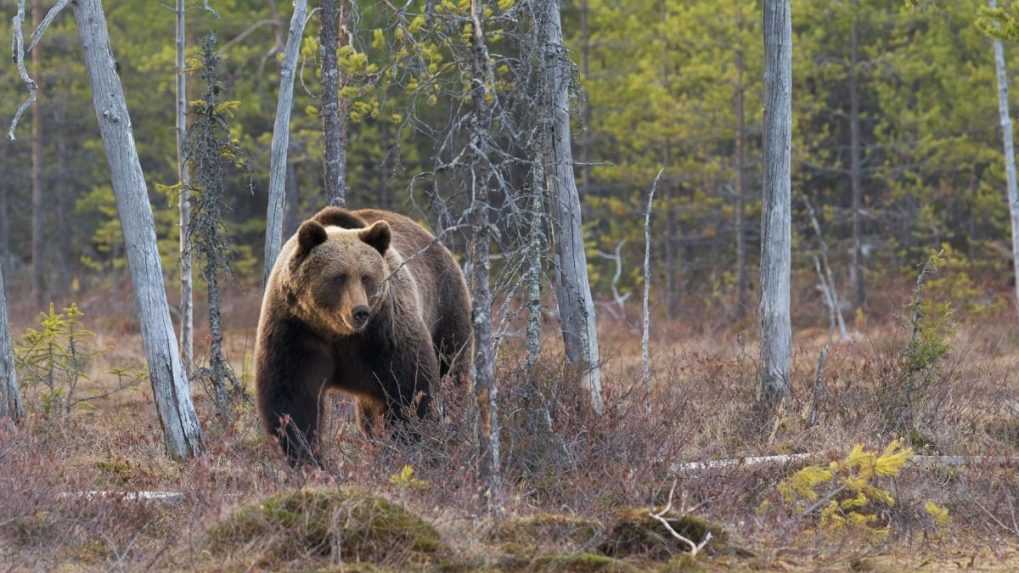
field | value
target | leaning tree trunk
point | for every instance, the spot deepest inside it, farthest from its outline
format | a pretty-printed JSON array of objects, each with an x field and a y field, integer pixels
[
  {"x": 10, "y": 398},
  {"x": 170, "y": 388},
  {"x": 855, "y": 167},
  {"x": 573, "y": 289},
  {"x": 485, "y": 388},
  {"x": 776, "y": 218},
  {"x": 1009, "y": 150},
  {"x": 276, "y": 208},
  {"x": 187, "y": 312},
  {"x": 332, "y": 122}
]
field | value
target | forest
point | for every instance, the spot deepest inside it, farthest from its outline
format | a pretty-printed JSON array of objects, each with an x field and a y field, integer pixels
[{"x": 739, "y": 276}]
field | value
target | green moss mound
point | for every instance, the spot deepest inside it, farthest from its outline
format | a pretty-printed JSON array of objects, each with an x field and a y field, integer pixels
[
  {"x": 580, "y": 563},
  {"x": 546, "y": 529},
  {"x": 344, "y": 523},
  {"x": 636, "y": 534}
]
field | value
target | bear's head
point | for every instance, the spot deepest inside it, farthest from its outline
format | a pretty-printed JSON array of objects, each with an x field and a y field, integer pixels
[{"x": 337, "y": 277}]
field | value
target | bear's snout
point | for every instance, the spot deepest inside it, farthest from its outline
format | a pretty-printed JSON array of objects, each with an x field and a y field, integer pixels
[{"x": 360, "y": 314}]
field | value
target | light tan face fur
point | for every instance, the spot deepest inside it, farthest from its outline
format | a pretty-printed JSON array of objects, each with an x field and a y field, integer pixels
[{"x": 339, "y": 282}]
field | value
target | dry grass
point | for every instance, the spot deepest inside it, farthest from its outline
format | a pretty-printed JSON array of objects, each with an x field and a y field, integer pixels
[{"x": 567, "y": 485}]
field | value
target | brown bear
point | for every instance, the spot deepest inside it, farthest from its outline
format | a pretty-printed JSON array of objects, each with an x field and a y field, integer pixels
[{"x": 367, "y": 302}]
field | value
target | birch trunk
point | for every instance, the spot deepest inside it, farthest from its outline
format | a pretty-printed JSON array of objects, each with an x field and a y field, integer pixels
[
  {"x": 10, "y": 398},
  {"x": 1009, "y": 151},
  {"x": 335, "y": 148},
  {"x": 170, "y": 389},
  {"x": 277, "y": 196},
  {"x": 485, "y": 388},
  {"x": 855, "y": 168},
  {"x": 187, "y": 312},
  {"x": 534, "y": 254},
  {"x": 573, "y": 289},
  {"x": 38, "y": 213},
  {"x": 776, "y": 221}
]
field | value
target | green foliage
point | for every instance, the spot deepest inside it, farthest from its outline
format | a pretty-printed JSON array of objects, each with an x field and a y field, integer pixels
[
  {"x": 848, "y": 494},
  {"x": 54, "y": 358}
]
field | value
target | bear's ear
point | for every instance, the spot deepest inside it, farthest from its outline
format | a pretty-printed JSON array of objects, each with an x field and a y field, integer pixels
[
  {"x": 310, "y": 235},
  {"x": 377, "y": 236},
  {"x": 337, "y": 217}
]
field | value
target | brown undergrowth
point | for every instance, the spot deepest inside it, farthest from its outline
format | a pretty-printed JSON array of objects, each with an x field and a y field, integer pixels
[{"x": 579, "y": 488}]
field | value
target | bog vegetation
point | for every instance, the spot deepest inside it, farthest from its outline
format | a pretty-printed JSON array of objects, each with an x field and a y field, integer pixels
[{"x": 600, "y": 170}]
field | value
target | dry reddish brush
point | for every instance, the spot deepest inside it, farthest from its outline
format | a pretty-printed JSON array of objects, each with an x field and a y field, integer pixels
[{"x": 570, "y": 475}]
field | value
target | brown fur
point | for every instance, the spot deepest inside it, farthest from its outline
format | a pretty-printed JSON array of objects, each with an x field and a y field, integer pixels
[{"x": 339, "y": 266}]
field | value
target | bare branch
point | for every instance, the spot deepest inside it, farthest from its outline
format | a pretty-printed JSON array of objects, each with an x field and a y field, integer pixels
[
  {"x": 18, "y": 47},
  {"x": 46, "y": 21},
  {"x": 695, "y": 548}
]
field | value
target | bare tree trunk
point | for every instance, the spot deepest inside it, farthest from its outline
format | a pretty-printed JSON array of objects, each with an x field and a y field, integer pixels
[
  {"x": 10, "y": 398},
  {"x": 485, "y": 388},
  {"x": 573, "y": 289},
  {"x": 38, "y": 212},
  {"x": 5, "y": 228},
  {"x": 182, "y": 434},
  {"x": 335, "y": 146},
  {"x": 535, "y": 251},
  {"x": 277, "y": 196},
  {"x": 187, "y": 311},
  {"x": 776, "y": 222},
  {"x": 855, "y": 167},
  {"x": 645, "y": 338},
  {"x": 1009, "y": 151},
  {"x": 742, "y": 276}
]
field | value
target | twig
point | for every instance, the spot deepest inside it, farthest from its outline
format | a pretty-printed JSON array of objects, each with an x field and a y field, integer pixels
[
  {"x": 695, "y": 548},
  {"x": 46, "y": 21},
  {"x": 18, "y": 47},
  {"x": 919, "y": 461}
]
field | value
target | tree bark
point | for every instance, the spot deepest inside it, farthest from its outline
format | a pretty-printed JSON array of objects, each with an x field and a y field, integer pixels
[
  {"x": 485, "y": 387},
  {"x": 742, "y": 276},
  {"x": 1008, "y": 145},
  {"x": 170, "y": 389},
  {"x": 332, "y": 122},
  {"x": 277, "y": 197},
  {"x": 535, "y": 251},
  {"x": 776, "y": 221},
  {"x": 187, "y": 311},
  {"x": 10, "y": 398},
  {"x": 38, "y": 212},
  {"x": 573, "y": 289},
  {"x": 855, "y": 167},
  {"x": 293, "y": 215},
  {"x": 5, "y": 227}
]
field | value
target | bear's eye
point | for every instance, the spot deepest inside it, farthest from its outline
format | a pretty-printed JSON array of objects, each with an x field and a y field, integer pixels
[
  {"x": 339, "y": 279},
  {"x": 368, "y": 282}
]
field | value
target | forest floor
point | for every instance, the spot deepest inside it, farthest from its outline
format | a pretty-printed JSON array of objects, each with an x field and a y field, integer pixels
[{"x": 577, "y": 493}]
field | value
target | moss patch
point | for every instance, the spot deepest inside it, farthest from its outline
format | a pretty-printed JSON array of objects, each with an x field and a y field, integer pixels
[
  {"x": 545, "y": 530},
  {"x": 636, "y": 534},
  {"x": 317, "y": 523}
]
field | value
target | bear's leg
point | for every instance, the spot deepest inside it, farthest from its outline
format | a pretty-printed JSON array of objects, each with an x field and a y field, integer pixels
[
  {"x": 370, "y": 416},
  {"x": 407, "y": 388},
  {"x": 290, "y": 378}
]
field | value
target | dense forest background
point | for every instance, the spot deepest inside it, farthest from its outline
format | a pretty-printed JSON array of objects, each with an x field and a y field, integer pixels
[{"x": 895, "y": 108}]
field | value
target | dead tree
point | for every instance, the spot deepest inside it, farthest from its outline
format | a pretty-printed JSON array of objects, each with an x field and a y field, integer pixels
[
  {"x": 10, "y": 397},
  {"x": 1008, "y": 146},
  {"x": 277, "y": 196},
  {"x": 573, "y": 289},
  {"x": 187, "y": 311},
  {"x": 776, "y": 217},
  {"x": 38, "y": 209},
  {"x": 334, "y": 124},
  {"x": 645, "y": 337},
  {"x": 170, "y": 387},
  {"x": 485, "y": 387},
  {"x": 208, "y": 149}
]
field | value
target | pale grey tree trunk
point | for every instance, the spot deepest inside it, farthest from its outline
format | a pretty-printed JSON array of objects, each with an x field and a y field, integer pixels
[
  {"x": 645, "y": 322},
  {"x": 776, "y": 218},
  {"x": 485, "y": 387},
  {"x": 187, "y": 311},
  {"x": 573, "y": 289},
  {"x": 1009, "y": 151},
  {"x": 535, "y": 252},
  {"x": 182, "y": 434},
  {"x": 333, "y": 127},
  {"x": 10, "y": 398},
  {"x": 855, "y": 166},
  {"x": 276, "y": 208}
]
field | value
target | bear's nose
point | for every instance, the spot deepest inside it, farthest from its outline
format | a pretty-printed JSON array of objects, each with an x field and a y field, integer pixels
[{"x": 361, "y": 314}]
